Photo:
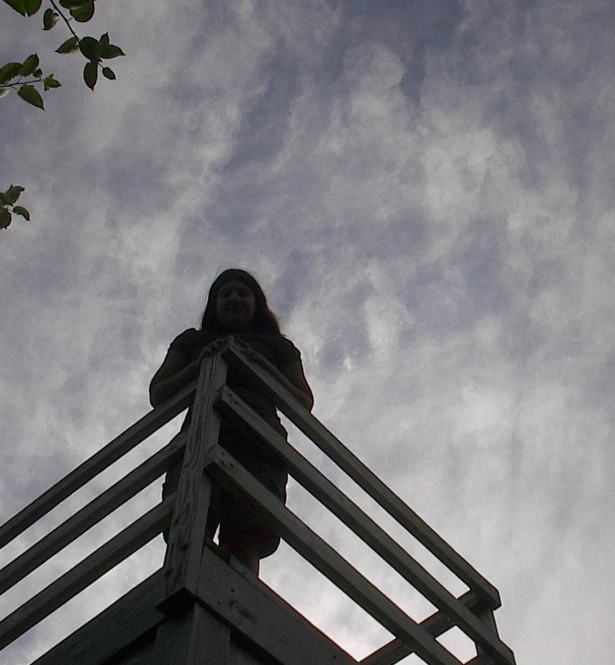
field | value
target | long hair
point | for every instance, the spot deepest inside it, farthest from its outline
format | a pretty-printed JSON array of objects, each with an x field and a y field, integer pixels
[{"x": 264, "y": 320}]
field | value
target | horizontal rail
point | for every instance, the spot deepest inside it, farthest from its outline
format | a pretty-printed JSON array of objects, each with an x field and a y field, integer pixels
[
  {"x": 350, "y": 514},
  {"x": 76, "y": 479},
  {"x": 437, "y": 624},
  {"x": 87, "y": 571},
  {"x": 128, "y": 620},
  {"x": 228, "y": 473},
  {"x": 365, "y": 478},
  {"x": 89, "y": 515}
]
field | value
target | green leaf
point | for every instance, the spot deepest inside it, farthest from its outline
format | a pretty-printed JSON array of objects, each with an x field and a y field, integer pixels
[
  {"x": 31, "y": 95},
  {"x": 19, "y": 210},
  {"x": 5, "y": 218},
  {"x": 50, "y": 82},
  {"x": 90, "y": 74},
  {"x": 12, "y": 194},
  {"x": 84, "y": 12},
  {"x": 9, "y": 71},
  {"x": 104, "y": 39},
  {"x": 50, "y": 18},
  {"x": 17, "y": 5},
  {"x": 69, "y": 46},
  {"x": 29, "y": 65},
  {"x": 108, "y": 51},
  {"x": 37, "y": 73},
  {"x": 70, "y": 4},
  {"x": 108, "y": 73},
  {"x": 32, "y": 6},
  {"x": 90, "y": 48},
  {"x": 4, "y": 200}
]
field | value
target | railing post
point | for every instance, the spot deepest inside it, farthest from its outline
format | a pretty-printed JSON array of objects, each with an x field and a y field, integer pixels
[{"x": 187, "y": 533}]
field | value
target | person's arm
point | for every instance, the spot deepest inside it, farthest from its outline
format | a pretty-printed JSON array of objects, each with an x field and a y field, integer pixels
[{"x": 175, "y": 372}]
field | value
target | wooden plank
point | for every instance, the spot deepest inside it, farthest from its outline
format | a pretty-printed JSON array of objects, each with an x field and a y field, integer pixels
[
  {"x": 125, "y": 622},
  {"x": 87, "y": 571},
  {"x": 90, "y": 514},
  {"x": 365, "y": 478},
  {"x": 262, "y": 617},
  {"x": 187, "y": 534},
  {"x": 436, "y": 625},
  {"x": 236, "y": 479},
  {"x": 94, "y": 465},
  {"x": 351, "y": 515},
  {"x": 193, "y": 637}
]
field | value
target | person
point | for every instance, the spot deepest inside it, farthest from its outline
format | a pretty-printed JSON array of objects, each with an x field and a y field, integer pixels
[{"x": 237, "y": 306}]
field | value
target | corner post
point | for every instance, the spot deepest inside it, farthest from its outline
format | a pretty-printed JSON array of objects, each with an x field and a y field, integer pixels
[{"x": 187, "y": 532}]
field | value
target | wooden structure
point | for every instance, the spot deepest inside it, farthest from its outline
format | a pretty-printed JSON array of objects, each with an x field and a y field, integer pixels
[{"x": 202, "y": 609}]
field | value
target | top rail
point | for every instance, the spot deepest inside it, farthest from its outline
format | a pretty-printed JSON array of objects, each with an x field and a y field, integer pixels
[
  {"x": 101, "y": 460},
  {"x": 365, "y": 478}
]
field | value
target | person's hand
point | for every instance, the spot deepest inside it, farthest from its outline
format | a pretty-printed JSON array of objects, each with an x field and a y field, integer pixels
[
  {"x": 253, "y": 356},
  {"x": 212, "y": 348}
]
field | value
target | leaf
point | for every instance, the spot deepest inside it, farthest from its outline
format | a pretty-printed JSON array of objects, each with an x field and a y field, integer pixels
[
  {"x": 50, "y": 18},
  {"x": 31, "y": 95},
  {"x": 84, "y": 12},
  {"x": 70, "y": 4},
  {"x": 109, "y": 51},
  {"x": 4, "y": 200},
  {"x": 17, "y": 5},
  {"x": 69, "y": 46},
  {"x": 104, "y": 39},
  {"x": 90, "y": 74},
  {"x": 108, "y": 73},
  {"x": 90, "y": 48},
  {"x": 50, "y": 82},
  {"x": 37, "y": 73},
  {"x": 9, "y": 71},
  {"x": 5, "y": 218},
  {"x": 29, "y": 65},
  {"x": 12, "y": 194},
  {"x": 19, "y": 210},
  {"x": 32, "y": 6}
]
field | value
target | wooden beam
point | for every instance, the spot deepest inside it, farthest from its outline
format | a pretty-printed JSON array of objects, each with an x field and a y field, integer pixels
[
  {"x": 187, "y": 533},
  {"x": 351, "y": 515},
  {"x": 193, "y": 637},
  {"x": 87, "y": 571},
  {"x": 436, "y": 624},
  {"x": 365, "y": 478},
  {"x": 89, "y": 515},
  {"x": 128, "y": 620},
  {"x": 76, "y": 479},
  {"x": 227, "y": 471},
  {"x": 261, "y": 616}
]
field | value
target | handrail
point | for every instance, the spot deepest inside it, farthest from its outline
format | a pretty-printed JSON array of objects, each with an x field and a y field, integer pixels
[
  {"x": 96, "y": 464},
  {"x": 180, "y": 573}
]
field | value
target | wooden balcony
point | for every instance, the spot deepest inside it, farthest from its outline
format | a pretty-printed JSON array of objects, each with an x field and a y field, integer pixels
[{"x": 203, "y": 608}]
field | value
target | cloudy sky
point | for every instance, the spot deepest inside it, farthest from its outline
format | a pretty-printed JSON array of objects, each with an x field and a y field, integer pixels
[{"x": 423, "y": 190}]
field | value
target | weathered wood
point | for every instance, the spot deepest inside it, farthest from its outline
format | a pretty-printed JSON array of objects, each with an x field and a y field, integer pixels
[
  {"x": 436, "y": 624},
  {"x": 258, "y": 613},
  {"x": 90, "y": 514},
  {"x": 351, "y": 515},
  {"x": 125, "y": 622},
  {"x": 228, "y": 472},
  {"x": 193, "y": 637},
  {"x": 76, "y": 479},
  {"x": 365, "y": 478},
  {"x": 84, "y": 573},
  {"x": 187, "y": 534}
]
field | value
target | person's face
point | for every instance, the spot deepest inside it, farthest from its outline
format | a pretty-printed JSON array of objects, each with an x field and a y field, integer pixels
[{"x": 235, "y": 306}]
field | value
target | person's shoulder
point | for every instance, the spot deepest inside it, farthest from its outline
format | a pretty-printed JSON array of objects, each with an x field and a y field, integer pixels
[
  {"x": 290, "y": 353},
  {"x": 187, "y": 341}
]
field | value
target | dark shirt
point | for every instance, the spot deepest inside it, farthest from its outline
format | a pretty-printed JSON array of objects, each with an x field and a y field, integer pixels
[{"x": 278, "y": 350}]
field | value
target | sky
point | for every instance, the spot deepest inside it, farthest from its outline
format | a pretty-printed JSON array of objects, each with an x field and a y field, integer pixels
[{"x": 422, "y": 190}]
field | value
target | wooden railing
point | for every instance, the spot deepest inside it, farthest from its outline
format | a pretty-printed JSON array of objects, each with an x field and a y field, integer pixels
[{"x": 184, "y": 514}]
